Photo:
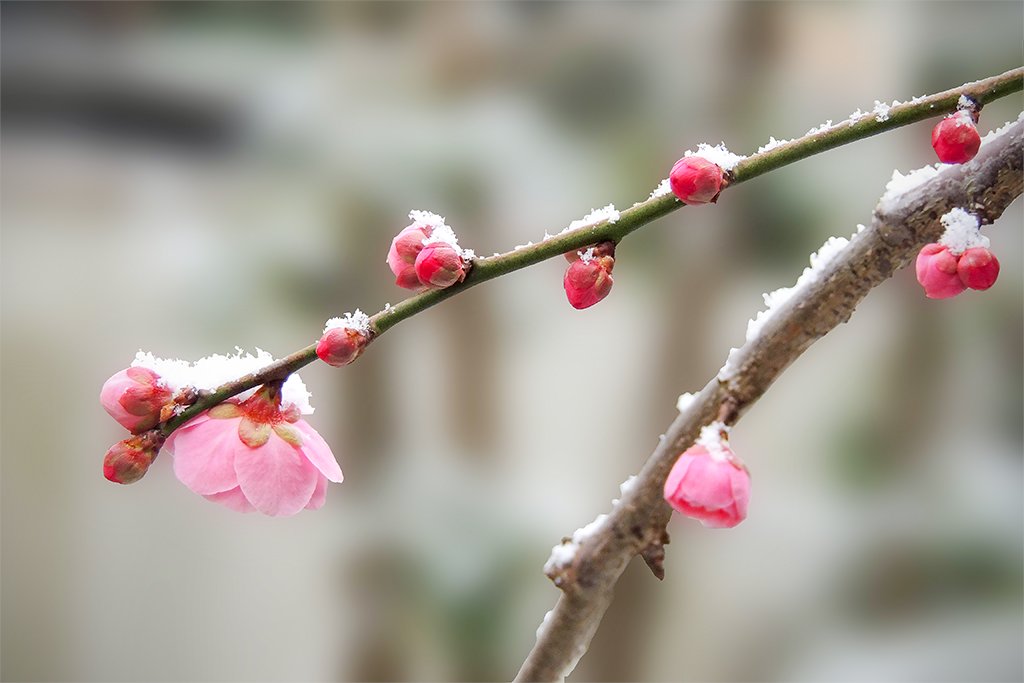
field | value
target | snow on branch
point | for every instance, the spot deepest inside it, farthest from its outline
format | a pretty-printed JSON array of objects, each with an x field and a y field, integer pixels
[{"x": 900, "y": 226}]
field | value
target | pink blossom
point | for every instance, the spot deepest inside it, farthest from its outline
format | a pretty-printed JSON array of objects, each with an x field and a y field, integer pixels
[
  {"x": 254, "y": 455},
  {"x": 439, "y": 264},
  {"x": 695, "y": 180},
  {"x": 713, "y": 487},
  {"x": 134, "y": 397},
  {"x": 403, "y": 252},
  {"x": 937, "y": 272}
]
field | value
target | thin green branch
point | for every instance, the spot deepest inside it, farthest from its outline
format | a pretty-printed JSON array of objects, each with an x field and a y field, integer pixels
[{"x": 631, "y": 219}]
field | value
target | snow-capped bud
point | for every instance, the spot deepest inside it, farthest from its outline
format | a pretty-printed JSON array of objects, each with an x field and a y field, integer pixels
[
  {"x": 978, "y": 268},
  {"x": 439, "y": 264},
  {"x": 955, "y": 138},
  {"x": 127, "y": 461},
  {"x": 695, "y": 180},
  {"x": 937, "y": 272},
  {"x": 403, "y": 252},
  {"x": 134, "y": 397},
  {"x": 588, "y": 280},
  {"x": 341, "y": 345},
  {"x": 710, "y": 485}
]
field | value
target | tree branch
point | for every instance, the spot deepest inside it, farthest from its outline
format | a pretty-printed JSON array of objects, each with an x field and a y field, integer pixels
[
  {"x": 900, "y": 226},
  {"x": 639, "y": 215}
]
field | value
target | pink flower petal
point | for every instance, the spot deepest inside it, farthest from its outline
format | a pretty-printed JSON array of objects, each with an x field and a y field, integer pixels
[
  {"x": 204, "y": 451},
  {"x": 276, "y": 477},
  {"x": 319, "y": 494},
  {"x": 318, "y": 452},
  {"x": 233, "y": 499}
]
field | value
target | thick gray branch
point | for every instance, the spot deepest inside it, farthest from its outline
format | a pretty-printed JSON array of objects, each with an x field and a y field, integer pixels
[{"x": 985, "y": 187}]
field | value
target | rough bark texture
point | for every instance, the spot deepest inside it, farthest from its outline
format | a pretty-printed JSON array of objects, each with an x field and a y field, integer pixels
[{"x": 985, "y": 187}]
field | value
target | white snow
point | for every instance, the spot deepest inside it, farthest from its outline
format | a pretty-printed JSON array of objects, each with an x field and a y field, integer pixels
[
  {"x": 357, "y": 321},
  {"x": 628, "y": 485},
  {"x": 901, "y": 184},
  {"x": 544, "y": 623},
  {"x": 684, "y": 401},
  {"x": 881, "y": 110},
  {"x": 563, "y": 554},
  {"x": 719, "y": 154},
  {"x": 711, "y": 437},
  {"x": 425, "y": 219},
  {"x": 773, "y": 143},
  {"x": 819, "y": 129},
  {"x": 965, "y": 102},
  {"x": 440, "y": 232},
  {"x": 606, "y": 213},
  {"x": 963, "y": 231},
  {"x": 212, "y": 371},
  {"x": 774, "y": 300},
  {"x": 663, "y": 188},
  {"x": 586, "y": 256},
  {"x": 1001, "y": 130}
]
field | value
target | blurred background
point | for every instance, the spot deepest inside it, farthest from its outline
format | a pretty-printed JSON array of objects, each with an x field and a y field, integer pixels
[{"x": 185, "y": 178}]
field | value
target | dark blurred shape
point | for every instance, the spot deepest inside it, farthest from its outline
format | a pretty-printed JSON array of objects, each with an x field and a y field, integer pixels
[
  {"x": 64, "y": 72},
  {"x": 592, "y": 86}
]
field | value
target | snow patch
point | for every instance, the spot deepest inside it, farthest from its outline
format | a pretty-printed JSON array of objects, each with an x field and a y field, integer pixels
[
  {"x": 212, "y": 371},
  {"x": 440, "y": 232},
  {"x": 773, "y": 143},
  {"x": 563, "y": 554},
  {"x": 963, "y": 231},
  {"x": 775, "y": 300},
  {"x": 714, "y": 437},
  {"x": 684, "y": 401},
  {"x": 900, "y": 184},
  {"x": 719, "y": 154},
  {"x": 358, "y": 321},
  {"x": 663, "y": 188}
]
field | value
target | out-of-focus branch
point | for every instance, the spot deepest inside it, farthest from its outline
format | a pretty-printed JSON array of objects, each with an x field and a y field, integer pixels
[
  {"x": 900, "y": 226},
  {"x": 637, "y": 216}
]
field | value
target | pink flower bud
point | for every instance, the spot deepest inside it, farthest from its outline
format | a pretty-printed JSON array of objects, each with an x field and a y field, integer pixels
[
  {"x": 341, "y": 345},
  {"x": 713, "y": 488},
  {"x": 127, "y": 461},
  {"x": 439, "y": 264},
  {"x": 937, "y": 272},
  {"x": 588, "y": 280},
  {"x": 403, "y": 252},
  {"x": 955, "y": 138},
  {"x": 978, "y": 268},
  {"x": 695, "y": 180},
  {"x": 134, "y": 397}
]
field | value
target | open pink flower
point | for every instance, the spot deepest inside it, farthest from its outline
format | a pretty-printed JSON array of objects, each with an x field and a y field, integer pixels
[
  {"x": 712, "y": 487},
  {"x": 254, "y": 455},
  {"x": 134, "y": 397}
]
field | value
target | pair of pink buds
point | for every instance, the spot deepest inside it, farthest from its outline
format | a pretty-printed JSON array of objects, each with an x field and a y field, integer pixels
[
  {"x": 944, "y": 274},
  {"x": 426, "y": 254}
]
